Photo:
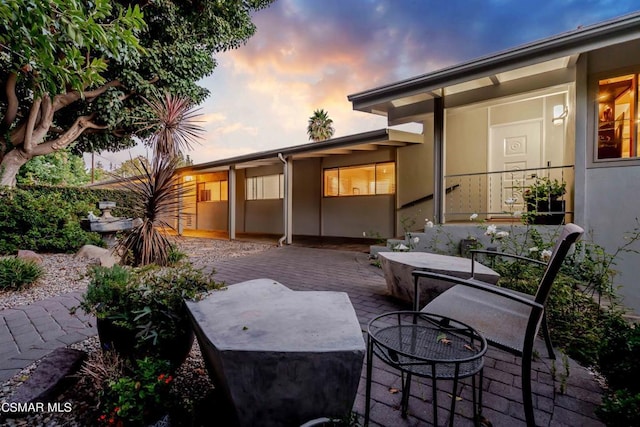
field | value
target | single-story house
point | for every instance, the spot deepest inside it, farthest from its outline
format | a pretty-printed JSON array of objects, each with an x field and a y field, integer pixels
[{"x": 565, "y": 108}]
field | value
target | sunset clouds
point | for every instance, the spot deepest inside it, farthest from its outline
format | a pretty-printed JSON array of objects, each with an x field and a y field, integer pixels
[{"x": 310, "y": 54}]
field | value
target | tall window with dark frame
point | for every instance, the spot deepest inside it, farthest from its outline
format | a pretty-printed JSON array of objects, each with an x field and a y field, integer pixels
[{"x": 618, "y": 131}]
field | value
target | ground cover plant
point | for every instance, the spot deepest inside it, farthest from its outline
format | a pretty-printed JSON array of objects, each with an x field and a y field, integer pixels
[{"x": 17, "y": 273}]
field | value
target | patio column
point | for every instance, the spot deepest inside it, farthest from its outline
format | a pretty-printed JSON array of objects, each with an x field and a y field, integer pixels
[
  {"x": 231, "y": 198},
  {"x": 438, "y": 160},
  {"x": 289, "y": 205},
  {"x": 287, "y": 199}
]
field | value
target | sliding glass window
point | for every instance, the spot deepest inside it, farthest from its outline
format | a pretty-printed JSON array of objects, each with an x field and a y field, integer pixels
[
  {"x": 214, "y": 191},
  {"x": 265, "y": 187},
  {"x": 372, "y": 179}
]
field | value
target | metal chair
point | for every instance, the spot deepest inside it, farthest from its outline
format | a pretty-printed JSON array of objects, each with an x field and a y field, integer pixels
[{"x": 507, "y": 319}]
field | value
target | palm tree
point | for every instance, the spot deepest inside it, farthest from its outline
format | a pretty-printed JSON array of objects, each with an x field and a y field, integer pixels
[{"x": 320, "y": 126}]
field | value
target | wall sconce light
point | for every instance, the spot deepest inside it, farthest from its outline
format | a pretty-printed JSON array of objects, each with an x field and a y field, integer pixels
[
  {"x": 188, "y": 178},
  {"x": 559, "y": 114}
]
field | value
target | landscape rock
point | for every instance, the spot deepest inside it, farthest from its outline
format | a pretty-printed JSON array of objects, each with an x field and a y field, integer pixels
[
  {"x": 29, "y": 256},
  {"x": 92, "y": 252},
  {"x": 106, "y": 257},
  {"x": 50, "y": 377}
]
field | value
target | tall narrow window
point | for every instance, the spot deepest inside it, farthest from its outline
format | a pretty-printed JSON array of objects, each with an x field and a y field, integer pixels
[
  {"x": 379, "y": 178},
  {"x": 617, "y": 112}
]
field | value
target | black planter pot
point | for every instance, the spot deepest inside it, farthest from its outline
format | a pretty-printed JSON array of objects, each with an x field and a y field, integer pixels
[
  {"x": 546, "y": 212},
  {"x": 124, "y": 342}
]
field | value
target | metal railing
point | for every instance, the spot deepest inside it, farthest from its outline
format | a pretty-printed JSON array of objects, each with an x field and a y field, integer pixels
[{"x": 501, "y": 194}]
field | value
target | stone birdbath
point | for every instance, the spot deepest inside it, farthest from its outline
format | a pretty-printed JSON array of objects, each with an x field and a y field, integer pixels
[{"x": 106, "y": 224}]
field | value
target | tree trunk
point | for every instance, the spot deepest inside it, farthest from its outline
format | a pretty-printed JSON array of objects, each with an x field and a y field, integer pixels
[{"x": 10, "y": 166}]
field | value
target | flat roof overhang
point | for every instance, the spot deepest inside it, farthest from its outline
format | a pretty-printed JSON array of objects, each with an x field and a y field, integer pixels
[
  {"x": 366, "y": 141},
  {"x": 548, "y": 60}
]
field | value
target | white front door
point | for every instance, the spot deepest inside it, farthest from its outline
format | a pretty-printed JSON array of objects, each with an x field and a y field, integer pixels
[{"x": 513, "y": 148}]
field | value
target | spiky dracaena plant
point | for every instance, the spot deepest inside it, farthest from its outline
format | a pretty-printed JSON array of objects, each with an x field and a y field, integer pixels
[
  {"x": 160, "y": 191},
  {"x": 174, "y": 124}
]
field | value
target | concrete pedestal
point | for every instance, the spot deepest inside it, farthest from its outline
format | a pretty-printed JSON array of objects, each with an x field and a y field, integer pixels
[
  {"x": 280, "y": 357},
  {"x": 398, "y": 266}
]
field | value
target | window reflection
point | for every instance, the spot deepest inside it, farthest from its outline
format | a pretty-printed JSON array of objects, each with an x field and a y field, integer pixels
[{"x": 363, "y": 180}]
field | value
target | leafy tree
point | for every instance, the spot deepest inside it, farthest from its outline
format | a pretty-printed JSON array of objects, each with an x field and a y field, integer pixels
[
  {"x": 320, "y": 126},
  {"x": 131, "y": 167},
  {"x": 58, "y": 168},
  {"x": 99, "y": 172},
  {"x": 77, "y": 72}
]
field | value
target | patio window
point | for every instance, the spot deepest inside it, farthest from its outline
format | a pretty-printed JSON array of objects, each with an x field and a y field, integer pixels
[
  {"x": 265, "y": 187},
  {"x": 214, "y": 191},
  {"x": 372, "y": 179},
  {"x": 618, "y": 131}
]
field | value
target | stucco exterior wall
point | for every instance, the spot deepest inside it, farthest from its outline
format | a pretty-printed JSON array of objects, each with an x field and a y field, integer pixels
[
  {"x": 307, "y": 197},
  {"x": 240, "y": 202},
  {"x": 351, "y": 216},
  {"x": 359, "y": 158},
  {"x": 612, "y": 208},
  {"x": 609, "y": 190},
  {"x": 213, "y": 216},
  {"x": 414, "y": 171},
  {"x": 466, "y": 139},
  {"x": 264, "y": 216}
]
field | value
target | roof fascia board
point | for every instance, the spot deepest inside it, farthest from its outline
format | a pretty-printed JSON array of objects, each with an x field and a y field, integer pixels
[
  {"x": 360, "y": 138},
  {"x": 575, "y": 42}
]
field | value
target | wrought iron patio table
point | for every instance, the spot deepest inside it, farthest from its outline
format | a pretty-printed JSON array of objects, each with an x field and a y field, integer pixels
[{"x": 428, "y": 346}]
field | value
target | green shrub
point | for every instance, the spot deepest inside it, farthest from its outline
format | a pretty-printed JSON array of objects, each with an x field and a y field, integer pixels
[
  {"x": 619, "y": 355},
  {"x": 620, "y": 408},
  {"x": 16, "y": 273},
  {"x": 47, "y": 219}
]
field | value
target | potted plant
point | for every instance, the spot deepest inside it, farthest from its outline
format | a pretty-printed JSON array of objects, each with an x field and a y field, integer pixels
[
  {"x": 140, "y": 311},
  {"x": 544, "y": 204}
]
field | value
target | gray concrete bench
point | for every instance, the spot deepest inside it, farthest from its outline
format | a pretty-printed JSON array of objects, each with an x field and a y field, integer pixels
[
  {"x": 280, "y": 357},
  {"x": 397, "y": 267}
]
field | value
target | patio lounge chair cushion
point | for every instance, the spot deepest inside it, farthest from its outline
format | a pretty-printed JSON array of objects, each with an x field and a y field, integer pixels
[{"x": 500, "y": 320}]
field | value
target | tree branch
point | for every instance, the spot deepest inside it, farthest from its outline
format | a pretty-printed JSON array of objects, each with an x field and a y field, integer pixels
[
  {"x": 12, "y": 99},
  {"x": 80, "y": 125},
  {"x": 89, "y": 95},
  {"x": 46, "y": 116},
  {"x": 62, "y": 100},
  {"x": 27, "y": 145}
]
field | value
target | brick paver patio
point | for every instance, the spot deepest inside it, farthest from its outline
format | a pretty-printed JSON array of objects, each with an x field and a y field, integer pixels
[{"x": 29, "y": 332}]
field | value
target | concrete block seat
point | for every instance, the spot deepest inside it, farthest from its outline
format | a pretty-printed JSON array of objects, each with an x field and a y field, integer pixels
[
  {"x": 280, "y": 357},
  {"x": 398, "y": 266}
]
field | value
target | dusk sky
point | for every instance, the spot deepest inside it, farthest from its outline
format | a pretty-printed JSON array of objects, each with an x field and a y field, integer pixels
[{"x": 310, "y": 54}]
